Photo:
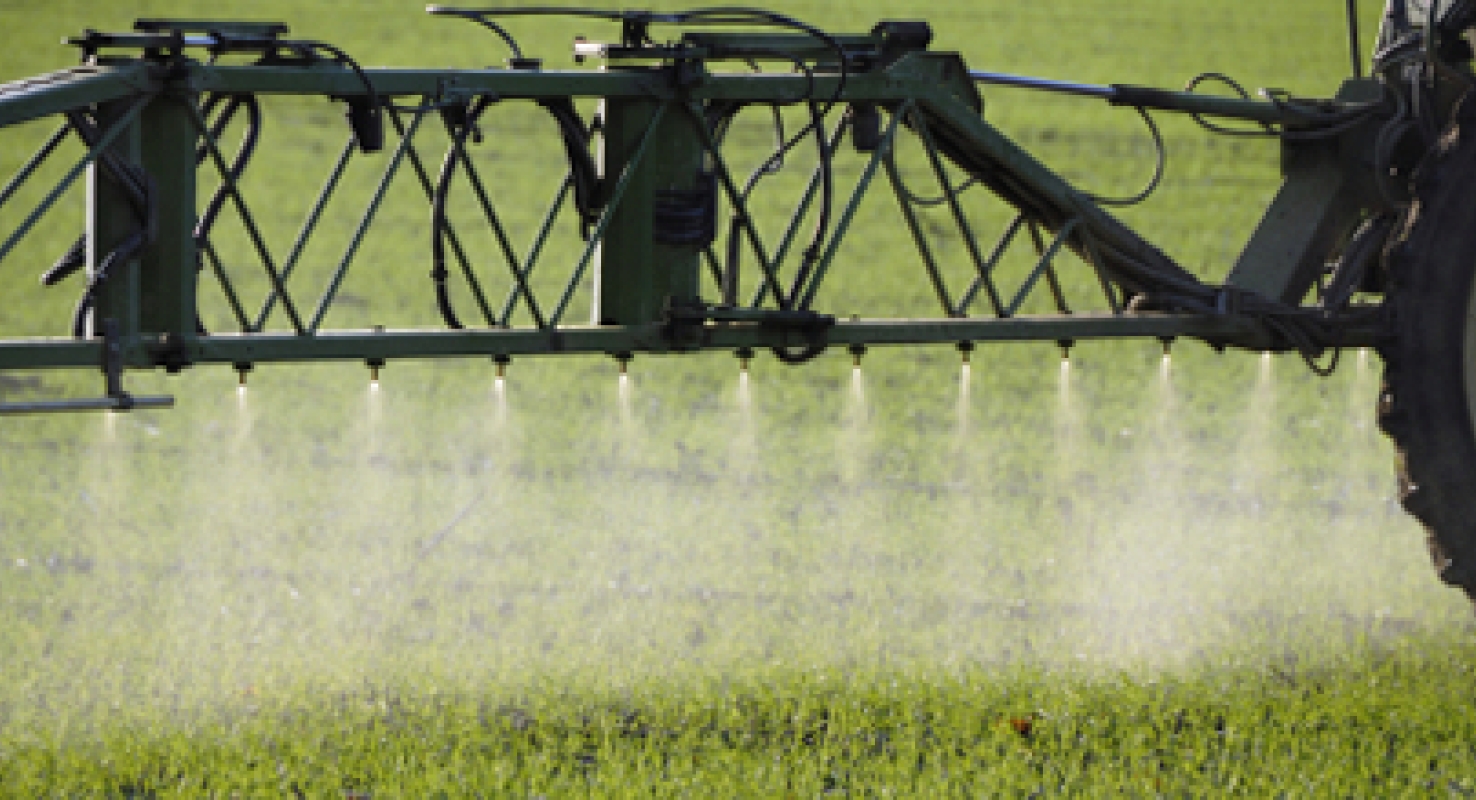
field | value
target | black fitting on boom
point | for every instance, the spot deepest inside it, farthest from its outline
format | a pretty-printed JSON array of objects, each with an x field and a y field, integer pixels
[{"x": 367, "y": 122}]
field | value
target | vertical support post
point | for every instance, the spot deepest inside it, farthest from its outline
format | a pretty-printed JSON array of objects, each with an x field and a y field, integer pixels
[
  {"x": 1355, "y": 44},
  {"x": 637, "y": 276},
  {"x": 168, "y": 269},
  {"x": 111, "y": 220}
]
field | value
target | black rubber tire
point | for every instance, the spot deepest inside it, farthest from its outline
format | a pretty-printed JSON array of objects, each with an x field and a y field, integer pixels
[{"x": 1428, "y": 398}]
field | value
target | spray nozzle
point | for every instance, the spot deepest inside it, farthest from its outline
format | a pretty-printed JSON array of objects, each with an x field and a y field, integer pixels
[
  {"x": 501, "y": 360},
  {"x": 623, "y": 359},
  {"x": 1065, "y": 345},
  {"x": 966, "y": 349},
  {"x": 745, "y": 355},
  {"x": 374, "y": 365},
  {"x": 1168, "y": 345},
  {"x": 856, "y": 351},
  {"x": 242, "y": 368}
]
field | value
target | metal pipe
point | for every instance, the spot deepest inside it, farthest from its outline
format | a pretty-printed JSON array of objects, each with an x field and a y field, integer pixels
[
  {"x": 87, "y": 404},
  {"x": 1156, "y": 99},
  {"x": 1044, "y": 84}
]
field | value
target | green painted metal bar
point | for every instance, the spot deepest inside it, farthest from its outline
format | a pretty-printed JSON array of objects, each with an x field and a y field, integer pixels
[
  {"x": 716, "y": 271},
  {"x": 71, "y": 89},
  {"x": 229, "y": 181},
  {"x": 985, "y": 274},
  {"x": 168, "y": 266},
  {"x": 919, "y": 238},
  {"x": 488, "y": 211},
  {"x": 218, "y": 269},
  {"x": 391, "y": 344},
  {"x": 309, "y": 225},
  {"x": 534, "y": 251},
  {"x": 739, "y": 206},
  {"x": 508, "y": 84},
  {"x": 66, "y": 182},
  {"x": 797, "y": 218},
  {"x": 1040, "y": 267},
  {"x": 844, "y": 224},
  {"x": 599, "y": 232},
  {"x": 951, "y": 196},
  {"x": 129, "y": 403},
  {"x": 339, "y": 272},
  {"x": 756, "y": 87},
  {"x": 1052, "y": 280},
  {"x": 24, "y": 173},
  {"x": 49, "y": 353},
  {"x": 1221, "y": 330}
]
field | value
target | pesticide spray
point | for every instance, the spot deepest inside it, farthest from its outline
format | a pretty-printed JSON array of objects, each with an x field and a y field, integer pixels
[{"x": 433, "y": 532}]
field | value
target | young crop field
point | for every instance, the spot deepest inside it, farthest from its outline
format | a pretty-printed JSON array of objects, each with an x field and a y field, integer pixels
[{"x": 1120, "y": 575}]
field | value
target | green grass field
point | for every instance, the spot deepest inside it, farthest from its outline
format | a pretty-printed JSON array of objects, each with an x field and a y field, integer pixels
[{"x": 1117, "y": 579}]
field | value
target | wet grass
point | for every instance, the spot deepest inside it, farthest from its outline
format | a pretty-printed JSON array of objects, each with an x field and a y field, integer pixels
[{"x": 1124, "y": 588}]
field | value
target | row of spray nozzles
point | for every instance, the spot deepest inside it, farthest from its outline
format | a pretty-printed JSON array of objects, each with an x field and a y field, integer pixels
[{"x": 745, "y": 358}]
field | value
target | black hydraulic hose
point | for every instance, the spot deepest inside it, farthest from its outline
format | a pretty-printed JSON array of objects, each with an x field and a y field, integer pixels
[
  {"x": 439, "y": 223},
  {"x": 70, "y": 262},
  {"x": 480, "y": 18},
  {"x": 796, "y": 357},
  {"x": 775, "y": 162},
  {"x": 811, "y": 253},
  {"x": 575, "y": 136},
  {"x": 439, "y": 274},
  {"x": 123, "y": 252}
]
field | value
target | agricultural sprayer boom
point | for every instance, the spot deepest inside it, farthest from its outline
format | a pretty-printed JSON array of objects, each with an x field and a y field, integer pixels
[{"x": 653, "y": 234}]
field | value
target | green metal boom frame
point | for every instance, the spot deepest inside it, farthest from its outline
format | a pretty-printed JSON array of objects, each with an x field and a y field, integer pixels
[{"x": 152, "y": 115}]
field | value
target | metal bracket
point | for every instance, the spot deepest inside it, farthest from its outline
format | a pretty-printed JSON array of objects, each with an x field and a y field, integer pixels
[{"x": 116, "y": 399}]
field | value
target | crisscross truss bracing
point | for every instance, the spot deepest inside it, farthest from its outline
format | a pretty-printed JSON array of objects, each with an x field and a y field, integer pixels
[{"x": 740, "y": 191}]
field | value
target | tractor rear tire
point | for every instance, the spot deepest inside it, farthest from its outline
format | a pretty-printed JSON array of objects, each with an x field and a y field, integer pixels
[{"x": 1427, "y": 405}]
